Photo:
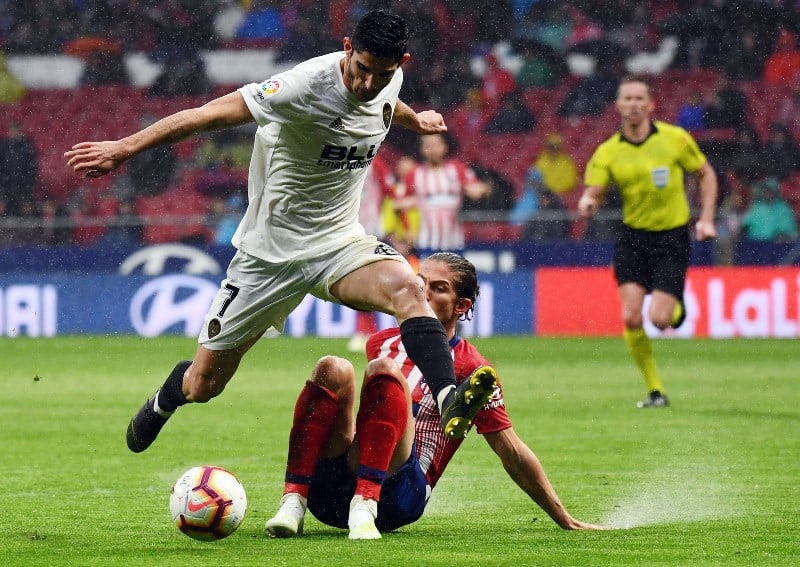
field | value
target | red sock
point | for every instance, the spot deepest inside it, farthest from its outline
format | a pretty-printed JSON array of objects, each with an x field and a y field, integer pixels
[
  {"x": 381, "y": 421},
  {"x": 314, "y": 416}
]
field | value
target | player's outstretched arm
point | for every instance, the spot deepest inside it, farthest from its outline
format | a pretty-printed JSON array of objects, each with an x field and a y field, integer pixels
[
  {"x": 425, "y": 122},
  {"x": 95, "y": 159},
  {"x": 705, "y": 229},
  {"x": 524, "y": 468},
  {"x": 590, "y": 201}
]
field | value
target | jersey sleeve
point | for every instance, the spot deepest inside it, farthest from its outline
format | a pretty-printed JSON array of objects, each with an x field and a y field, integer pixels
[
  {"x": 597, "y": 172},
  {"x": 377, "y": 340},
  {"x": 278, "y": 99},
  {"x": 692, "y": 157},
  {"x": 493, "y": 417}
]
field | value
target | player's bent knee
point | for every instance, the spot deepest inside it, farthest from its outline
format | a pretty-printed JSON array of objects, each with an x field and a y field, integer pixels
[
  {"x": 333, "y": 372},
  {"x": 661, "y": 323},
  {"x": 384, "y": 366},
  {"x": 661, "y": 318}
]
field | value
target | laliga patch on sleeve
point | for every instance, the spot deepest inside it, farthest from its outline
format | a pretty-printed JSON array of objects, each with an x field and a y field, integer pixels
[{"x": 271, "y": 87}]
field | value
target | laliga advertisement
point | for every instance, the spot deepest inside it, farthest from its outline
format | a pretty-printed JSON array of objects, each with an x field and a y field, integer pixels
[
  {"x": 167, "y": 289},
  {"x": 721, "y": 303}
]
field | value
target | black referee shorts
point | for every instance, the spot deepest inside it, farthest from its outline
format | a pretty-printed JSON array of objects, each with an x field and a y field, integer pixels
[{"x": 653, "y": 259}]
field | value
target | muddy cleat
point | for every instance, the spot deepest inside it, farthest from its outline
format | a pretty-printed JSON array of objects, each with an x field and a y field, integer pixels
[
  {"x": 466, "y": 400},
  {"x": 144, "y": 427},
  {"x": 361, "y": 521},
  {"x": 288, "y": 522},
  {"x": 654, "y": 400}
]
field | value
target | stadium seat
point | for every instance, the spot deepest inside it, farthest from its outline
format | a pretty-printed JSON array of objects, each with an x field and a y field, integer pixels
[
  {"x": 107, "y": 207},
  {"x": 491, "y": 232},
  {"x": 85, "y": 233},
  {"x": 790, "y": 190}
]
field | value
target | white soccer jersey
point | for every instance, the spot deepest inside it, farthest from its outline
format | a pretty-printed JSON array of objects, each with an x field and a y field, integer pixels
[{"x": 312, "y": 149}]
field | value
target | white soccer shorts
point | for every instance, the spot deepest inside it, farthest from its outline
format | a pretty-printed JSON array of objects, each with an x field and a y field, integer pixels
[{"x": 257, "y": 295}]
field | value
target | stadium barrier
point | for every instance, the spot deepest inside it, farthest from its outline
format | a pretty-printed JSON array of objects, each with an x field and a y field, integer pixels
[
  {"x": 487, "y": 256},
  {"x": 150, "y": 306},
  {"x": 721, "y": 303},
  {"x": 166, "y": 289}
]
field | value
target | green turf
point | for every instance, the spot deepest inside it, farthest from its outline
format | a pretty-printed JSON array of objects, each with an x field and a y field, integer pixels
[{"x": 711, "y": 480}]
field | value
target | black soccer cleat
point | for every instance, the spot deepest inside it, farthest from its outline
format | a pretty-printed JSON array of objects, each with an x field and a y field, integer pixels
[
  {"x": 462, "y": 404},
  {"x": 655, "y": 399},
  {"x": 144, "y": 427}
]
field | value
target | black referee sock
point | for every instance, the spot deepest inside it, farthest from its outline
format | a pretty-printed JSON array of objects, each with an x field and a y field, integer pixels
[
  {"x": 171, "y": 396},
  {"x": 426, "y": 345}
]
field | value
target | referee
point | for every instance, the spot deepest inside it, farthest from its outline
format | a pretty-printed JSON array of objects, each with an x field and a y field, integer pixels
[{"x": 647, "y": 159}]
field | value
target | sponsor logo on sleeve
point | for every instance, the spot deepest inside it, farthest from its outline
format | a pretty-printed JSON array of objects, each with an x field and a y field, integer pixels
[
  {"x": 214, "y": 327},
  {"x": 271, "y": 87},
  {"x": 385, "y": 250},
  {"x": 387, "y": 114}
]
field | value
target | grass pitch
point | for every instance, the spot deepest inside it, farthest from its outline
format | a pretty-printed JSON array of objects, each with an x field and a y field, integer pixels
[{"x": 713, "y": 480}]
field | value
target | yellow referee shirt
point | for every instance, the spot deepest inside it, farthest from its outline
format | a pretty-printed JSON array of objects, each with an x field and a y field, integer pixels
[{"x": 649, "y": 175}]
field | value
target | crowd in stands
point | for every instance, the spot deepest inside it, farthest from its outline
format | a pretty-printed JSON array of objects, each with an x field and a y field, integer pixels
[{"x": 524, "y": 109}]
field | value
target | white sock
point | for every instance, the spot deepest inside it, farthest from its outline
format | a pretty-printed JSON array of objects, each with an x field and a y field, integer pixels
[
  {"x": 442, "y": 395},
  {"x": 158, "y": 410}
]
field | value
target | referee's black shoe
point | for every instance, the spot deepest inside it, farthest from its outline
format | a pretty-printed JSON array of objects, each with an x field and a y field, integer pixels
[
  {"x": 144, "y": 427},
  {"x": 466, "y": 400},
  {"x": 655, "y": 399}
]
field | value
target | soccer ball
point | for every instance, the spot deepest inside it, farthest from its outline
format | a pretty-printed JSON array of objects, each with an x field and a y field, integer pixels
[{"x": 207, "y": 503}]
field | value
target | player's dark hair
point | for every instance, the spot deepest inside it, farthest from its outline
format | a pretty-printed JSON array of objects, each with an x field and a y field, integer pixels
[
  {"x": 465, "y": 278},
  {"x": 382, "y": 34},
  {"x": 637, "y": 79}
]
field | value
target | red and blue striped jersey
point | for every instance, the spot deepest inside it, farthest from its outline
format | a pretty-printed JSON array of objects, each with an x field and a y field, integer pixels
[{"x": 434, "y": 450}]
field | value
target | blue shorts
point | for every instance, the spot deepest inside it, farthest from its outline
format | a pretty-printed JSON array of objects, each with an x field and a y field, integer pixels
[{"x": 403, "y": 495}]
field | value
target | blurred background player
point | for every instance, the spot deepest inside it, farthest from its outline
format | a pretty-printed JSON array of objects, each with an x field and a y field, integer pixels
[
  {"x": 378, "y": 187},
  {"x": 380, "y": 477},
  {"x": 393, "y": 215},
  {"x": 439, "y": 183},
  {"x": 647, "y": 161}
]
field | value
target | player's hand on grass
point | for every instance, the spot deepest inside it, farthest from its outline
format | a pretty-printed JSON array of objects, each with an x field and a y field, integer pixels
[
  {"x": 95, "y": 159},
  {"x": 587, "y": 526},
  {"x": 573, "y": 524}
]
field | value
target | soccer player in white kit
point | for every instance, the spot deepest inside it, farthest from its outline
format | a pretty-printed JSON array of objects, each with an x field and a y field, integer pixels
[{"x": 320, "y": 125}]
